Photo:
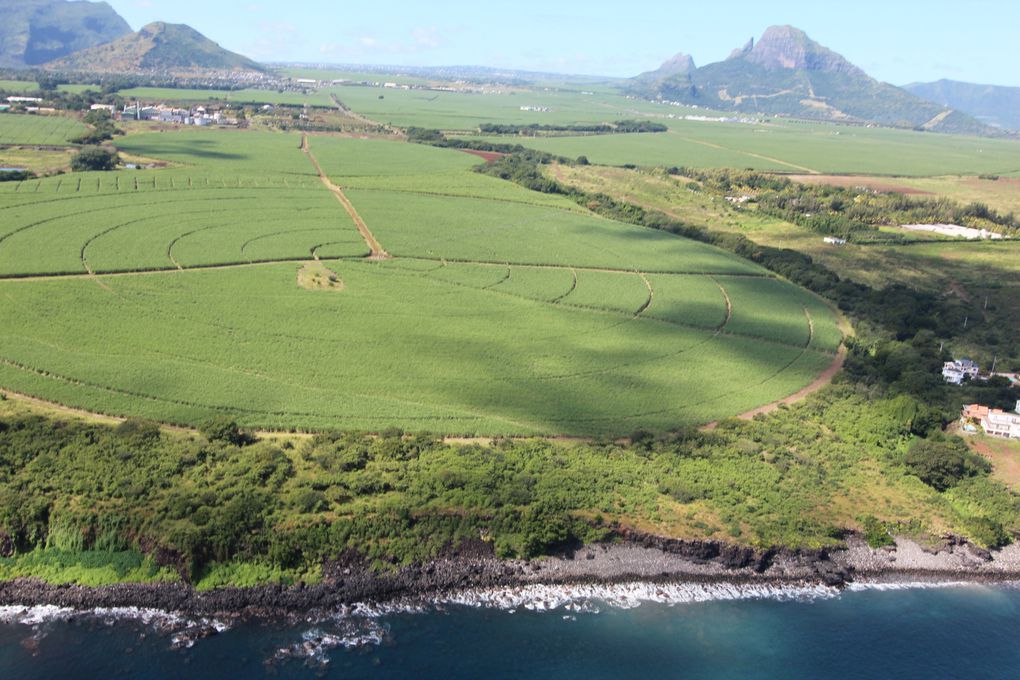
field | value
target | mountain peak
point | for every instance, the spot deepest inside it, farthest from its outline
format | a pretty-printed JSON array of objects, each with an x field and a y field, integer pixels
[
  {"x": 788, "y": 47},
  {"x": 161, "y": 48},
  {"x": 741, "y": 51},
  {"x": 679, "y": 64}
]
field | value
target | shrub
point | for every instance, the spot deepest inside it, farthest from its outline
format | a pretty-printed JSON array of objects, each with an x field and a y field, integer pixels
[
  {"x": 986, "y": 532},
  {"x": 94, "y": 159},
  {"x": 223, "y": 429},
  {"x": 941, "y": 462},
  {"x": 876, "y": 533}
]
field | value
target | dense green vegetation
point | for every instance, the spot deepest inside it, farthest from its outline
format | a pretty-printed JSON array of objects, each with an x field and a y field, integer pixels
[
  {"x": 103, "y": 128},
  {"x": 207, "y": 507},
  {"x": 94, "y": 159},
  {"x": 619, "y": 127}
]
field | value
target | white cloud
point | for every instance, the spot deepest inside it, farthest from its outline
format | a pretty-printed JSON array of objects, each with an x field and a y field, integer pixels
[
  {"x": 418, "y": 40},
  {"x": 274, "y": 40},
  {"x": 426, "y": 37}
]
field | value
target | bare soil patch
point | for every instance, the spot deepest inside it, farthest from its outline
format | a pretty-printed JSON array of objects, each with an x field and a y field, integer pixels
[
  {"x": 489, "y": 156},
  {"x": 1004, "y": 456}
]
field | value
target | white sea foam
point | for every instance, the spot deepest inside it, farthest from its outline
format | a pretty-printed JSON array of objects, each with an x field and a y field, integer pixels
[
  {"x": 34, "y": 616},
  {"x": 588, "y": 598},
  {"x": 183, "y": 631},
  {"x": 591, "y": 598},
  {"x": 316, "y": 643}
]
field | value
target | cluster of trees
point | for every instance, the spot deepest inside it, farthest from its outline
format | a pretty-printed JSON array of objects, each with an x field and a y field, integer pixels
[
  {"x": 94, "y": 158},
  {"x": 15, "y": 175},
  {"x": 534, "y": 129},
  {"x": 851, "y": 213},
  {"x": 193, "y": 502},
  {"x": 103, "y": 128},
  {"x": 437, "y": 138}
]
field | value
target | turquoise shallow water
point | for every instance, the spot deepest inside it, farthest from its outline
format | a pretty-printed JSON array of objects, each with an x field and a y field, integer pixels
[{"x": 950, "y": 632}]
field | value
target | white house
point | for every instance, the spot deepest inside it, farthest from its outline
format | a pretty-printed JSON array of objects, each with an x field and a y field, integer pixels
[
  {"x": 955, "y": 372},
  {"x": 995, "y": 422}
]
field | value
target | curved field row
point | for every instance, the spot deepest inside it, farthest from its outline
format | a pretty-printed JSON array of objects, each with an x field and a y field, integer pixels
[
  {"x": 683, "y": 300},
  {"x": 545, "y": 368},
  {"x": 503, "y": 312},
  {"x": 700, "y": 302},
  {"x": 152, "y": 231}
]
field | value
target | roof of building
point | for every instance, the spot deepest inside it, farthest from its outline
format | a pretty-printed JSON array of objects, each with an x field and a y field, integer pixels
[{"x": 975, "y": 411}]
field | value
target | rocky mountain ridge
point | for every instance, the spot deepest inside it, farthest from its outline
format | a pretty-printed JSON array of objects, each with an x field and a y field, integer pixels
[{"x": 786, "y": 73}]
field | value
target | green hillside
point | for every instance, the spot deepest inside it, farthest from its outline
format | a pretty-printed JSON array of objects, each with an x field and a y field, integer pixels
[
  {"x": 157, "y": 47},
  {"x": 34, "y": 32}
]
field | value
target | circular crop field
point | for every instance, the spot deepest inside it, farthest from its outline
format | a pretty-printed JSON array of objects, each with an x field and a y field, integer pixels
[{"x": 369, "y": 284}]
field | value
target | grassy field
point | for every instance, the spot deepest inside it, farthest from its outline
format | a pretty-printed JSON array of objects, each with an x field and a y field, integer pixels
[
  {"x": 504, "y": 310},
  {"x": 972, "y": 271},
  {"x": 32, "y": 129},
  {"x": 796, "y": 147},
  {"x": 19, "y": 86},
  {"x": 223, "y": 204},
  {"x": 251, "y": 96},
  {"x": 34, "y": 160},
  {"x": 466, "y": 111}
]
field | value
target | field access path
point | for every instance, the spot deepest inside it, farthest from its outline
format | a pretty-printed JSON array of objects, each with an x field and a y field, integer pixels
[
  {"x": 823, "y": 379},
  {"x": 378, "y": 253}
]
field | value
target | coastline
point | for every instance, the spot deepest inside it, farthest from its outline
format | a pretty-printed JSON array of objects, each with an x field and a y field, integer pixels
[{"x": 639, "y": 569}]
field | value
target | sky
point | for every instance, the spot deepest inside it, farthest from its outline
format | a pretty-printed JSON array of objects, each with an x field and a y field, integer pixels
[{"x": 898, "y": 41}]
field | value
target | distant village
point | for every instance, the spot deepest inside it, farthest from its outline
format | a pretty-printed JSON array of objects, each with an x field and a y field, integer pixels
[
  {"x": 198, "y": 115},
  {"x": 993, "y": 422}
]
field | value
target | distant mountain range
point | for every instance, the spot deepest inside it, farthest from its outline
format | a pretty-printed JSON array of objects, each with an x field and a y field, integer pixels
[
  {"x": 992, "y": 104},
  {"x": 787, "y": 73},
  {"x": 783, "y": 73},
  {"x": 33, "y": 32},
  {"x": 157, "y": 47}
]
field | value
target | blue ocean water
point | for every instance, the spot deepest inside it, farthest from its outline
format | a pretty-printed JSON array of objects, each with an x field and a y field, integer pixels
[{"x": 945, "y": 632}]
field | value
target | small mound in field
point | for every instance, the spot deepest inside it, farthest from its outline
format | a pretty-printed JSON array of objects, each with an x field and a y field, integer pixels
[{"x": 317, "y": 276}]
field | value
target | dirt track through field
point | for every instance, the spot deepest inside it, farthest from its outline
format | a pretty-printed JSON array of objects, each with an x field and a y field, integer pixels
[
  {"x": 378, "y": 253},
  {"x": 823, "y": 379},
  {"x": 759, "y": 156},
  {"x": 350, "y": 113}
]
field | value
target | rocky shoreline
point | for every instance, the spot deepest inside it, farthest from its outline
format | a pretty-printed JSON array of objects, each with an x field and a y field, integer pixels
[{"x": 644, "y": 559}]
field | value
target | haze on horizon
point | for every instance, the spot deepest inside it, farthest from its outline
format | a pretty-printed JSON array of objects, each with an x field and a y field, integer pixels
[{"x": 894, "y": 42}]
